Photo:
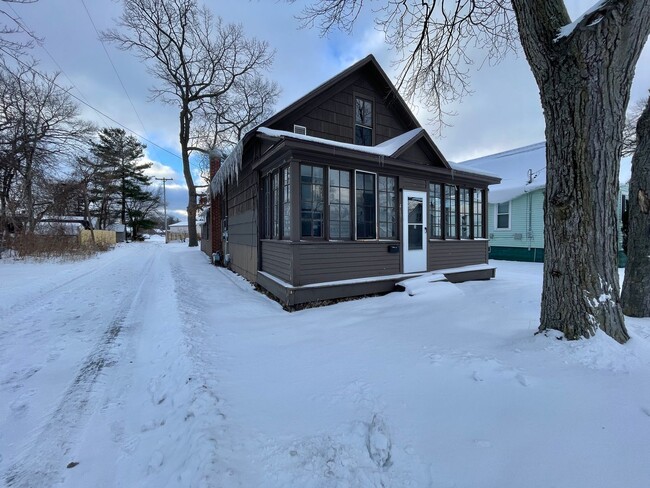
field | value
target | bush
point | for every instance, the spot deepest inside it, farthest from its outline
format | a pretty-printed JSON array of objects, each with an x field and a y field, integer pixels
[{"x": 65, "y": 247}]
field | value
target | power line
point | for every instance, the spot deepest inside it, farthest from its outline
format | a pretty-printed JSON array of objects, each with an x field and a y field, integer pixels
[
  {"x": 20, "y": 22},
  {"x": 113, "y": 65},
  {"x": 87, "y": 104}
]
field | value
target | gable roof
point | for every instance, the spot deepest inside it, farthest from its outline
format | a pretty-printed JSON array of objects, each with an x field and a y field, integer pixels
[
  {"x": 418, "y": 136},
  {"x": 521, "y": 170}
]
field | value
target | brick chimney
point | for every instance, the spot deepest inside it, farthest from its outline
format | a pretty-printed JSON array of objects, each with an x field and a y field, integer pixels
[{"x": 215, "y": 206}]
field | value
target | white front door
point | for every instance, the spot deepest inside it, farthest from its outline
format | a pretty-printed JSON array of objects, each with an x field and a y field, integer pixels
[{"x": 414, "y": 231}]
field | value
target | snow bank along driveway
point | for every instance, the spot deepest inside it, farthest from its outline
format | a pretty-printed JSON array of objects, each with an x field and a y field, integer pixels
[{"x": 148, "y": 367}]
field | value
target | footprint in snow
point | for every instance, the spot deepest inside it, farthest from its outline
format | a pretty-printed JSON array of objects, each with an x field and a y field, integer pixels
[
  {"x": 523, "y": 381},
  {"x": 157, "y": 460},
  {"x": 646, "y": 411}
]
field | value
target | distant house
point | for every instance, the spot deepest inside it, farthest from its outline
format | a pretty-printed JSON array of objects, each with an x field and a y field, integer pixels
[
  {"x": 180, "y": 230},
  {"x": 343, "y": 193},
  {"x": 516, "y": 205}
]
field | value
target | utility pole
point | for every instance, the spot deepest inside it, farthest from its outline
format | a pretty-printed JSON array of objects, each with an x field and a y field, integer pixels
[{"x": 165, "y": 180}]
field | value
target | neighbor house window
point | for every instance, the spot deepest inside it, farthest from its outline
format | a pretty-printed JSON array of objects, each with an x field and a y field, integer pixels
[
  {"x": 340, "y": 225},
  {"x": 366, "y": 206},
  {"x": 387, "y": 194},
  {"x": 503, "y": 215},
  {"x": 362, "y": 122},
  {"x": 478, "y": 214},
  {"x": 465, "y": 217},
  {"x": 451, "y": 231},
  {"x": 286, "y": 202},
  {"x": 311, "y": 201},
  {"x": 435, "y": 210},
  {"x": 275, "y": 198}
]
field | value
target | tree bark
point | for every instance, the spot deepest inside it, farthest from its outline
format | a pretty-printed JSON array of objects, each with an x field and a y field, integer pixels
[
  {"x": 184, "y": 136},
  {"x": 584, "y": 80},
  {"x": 636, "y": 286}
]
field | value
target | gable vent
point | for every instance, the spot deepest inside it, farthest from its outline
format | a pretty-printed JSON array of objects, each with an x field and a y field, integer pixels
[{"x": 300, "y": 129}]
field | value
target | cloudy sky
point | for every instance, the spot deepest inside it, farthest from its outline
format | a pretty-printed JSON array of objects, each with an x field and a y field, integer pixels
[{"x": 503, "y": 112}]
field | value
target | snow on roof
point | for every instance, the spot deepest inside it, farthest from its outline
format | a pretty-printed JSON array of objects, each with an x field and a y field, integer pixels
[
  {"x": 387, "y": 148},
  {"x": 229, "y": 170},
  {"x": 521, "y": 170},
  {"x": 184, "y": 223}
]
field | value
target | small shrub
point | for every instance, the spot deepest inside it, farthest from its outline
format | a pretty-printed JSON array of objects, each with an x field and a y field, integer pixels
[{"x": 66, "y": 247}]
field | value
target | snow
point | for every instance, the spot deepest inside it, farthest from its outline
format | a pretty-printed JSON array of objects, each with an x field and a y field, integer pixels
[
  {"x": 229, "y": 170},
  {"x": 513, "y": 168},
  {"x": 387, "y": 148},
  {"x": 569, "y": 28},
  {"x": 149, "y": 367}
]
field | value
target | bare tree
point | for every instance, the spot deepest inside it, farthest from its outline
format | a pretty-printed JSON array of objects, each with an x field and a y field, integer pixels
[
  {"x": 194, "y": 56},
  {"x": 630, "y": 129},
  {"x": 40, "y": 129},
  {"x": 636, "y": 286},
  {"x": 10, "y": 29},
  {"x": 223, "y": 121},
  {"x": 584, "y": 72}
]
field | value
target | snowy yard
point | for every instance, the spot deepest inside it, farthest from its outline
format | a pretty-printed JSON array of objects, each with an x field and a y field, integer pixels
[{"x": 149, "y": 368}]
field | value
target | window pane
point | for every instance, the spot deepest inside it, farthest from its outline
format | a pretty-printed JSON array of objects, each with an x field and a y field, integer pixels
[
  {"x": 463, "y": 195},
  {"x": 503, "y": 215},
  {"x": 450, "y": 212},
  {"x": 502, "y": 222},
  {"x": 286, "y": 202},
  {"x": 339, "y": 204},
  {"x": 387, "y": 208},
  {"x": 435, "y": 210},
  {"x": 415, "y": 237},
  {"x": 365, "y": 201},
  {"x": 311, "y": 201}
]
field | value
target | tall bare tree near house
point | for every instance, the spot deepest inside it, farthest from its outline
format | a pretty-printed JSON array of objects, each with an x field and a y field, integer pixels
[
  {"x": 221, "y": 122},
  {"x": 636, "y": 285},
  {"x": 584, "y": 72},
  {"x": 194, "y": 56}
]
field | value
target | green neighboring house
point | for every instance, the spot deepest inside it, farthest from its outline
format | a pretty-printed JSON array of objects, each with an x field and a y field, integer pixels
[{"x": 516, "y": 205}]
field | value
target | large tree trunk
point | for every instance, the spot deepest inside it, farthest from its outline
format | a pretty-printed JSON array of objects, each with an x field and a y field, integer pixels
[
  {"x": 185, "y": 121},
  {"x": 636, "y": 287},
  {"x": 584, "y": 80}
]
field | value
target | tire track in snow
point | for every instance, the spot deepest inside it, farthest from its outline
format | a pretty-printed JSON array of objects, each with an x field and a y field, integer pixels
[{"x": 41, "y": 463}]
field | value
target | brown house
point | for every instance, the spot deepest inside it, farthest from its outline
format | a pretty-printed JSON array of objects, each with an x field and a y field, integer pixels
[{"x": 343, "y": 193}]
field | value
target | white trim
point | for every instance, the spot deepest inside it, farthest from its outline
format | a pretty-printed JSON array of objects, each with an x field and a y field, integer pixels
[
  {"x": 415, "y": 260},
  {"x": 496, "y": 216},
  {"x": 300, "y": 129}
]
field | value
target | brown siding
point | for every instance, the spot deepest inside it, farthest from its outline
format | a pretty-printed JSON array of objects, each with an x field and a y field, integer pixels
[
  {"x": 452, "y": 254},
  {"x": 332, "y": 261},
  {"x": 332, "y": 115},
  {"x": 242, "y": 226},
  {"x": 276, "y": 259}
]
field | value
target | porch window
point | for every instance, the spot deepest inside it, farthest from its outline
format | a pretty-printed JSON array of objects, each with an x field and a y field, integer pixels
[
  {"x": 267, "y": 207},
  {"x": 366, "y": 206},
  {"x": 478, "y": 214},
  {"x": 435, "y": 210},
  {"x": 340, "y": 226},
  {"x": 503, "y": 215},
  {"x": 387, "y": 207},
  {"x": 362, "y": 122},
  {"x": 451, "y": 231},
  {"x": 465, "y": 217},
  {"x": 275, "y": 197},
  {"x": 286, "y": 202},
  {"x": 311, "y": 201}
]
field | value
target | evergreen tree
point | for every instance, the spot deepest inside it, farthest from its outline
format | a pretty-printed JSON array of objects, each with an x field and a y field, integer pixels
[{"x": 120, "y": 168}]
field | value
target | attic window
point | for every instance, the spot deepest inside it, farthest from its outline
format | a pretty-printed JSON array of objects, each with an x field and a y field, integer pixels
[
  {"x": 300, "y": 129},
  {"x": 363, "y": 122}
]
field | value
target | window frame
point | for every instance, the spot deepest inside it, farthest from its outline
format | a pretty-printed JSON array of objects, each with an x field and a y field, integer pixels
[
  {"x": 478, "y": 225},
  {"x": 447, "y": 221},
  {"x": 371, "y": 127},
  {"x": 395, "y": 207},
  {"x": 285, "y": 202},
  {"x": 465, "y": 191},
  {"x": 351, "y": 204},
  {"x": 323, "y": 219},
  {"x": 496, "y": 216},
  {"x": 356, "y": 220}
]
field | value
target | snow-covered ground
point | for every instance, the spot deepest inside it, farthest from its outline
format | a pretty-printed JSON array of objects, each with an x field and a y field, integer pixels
[{"x": 150, "y": 368}]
